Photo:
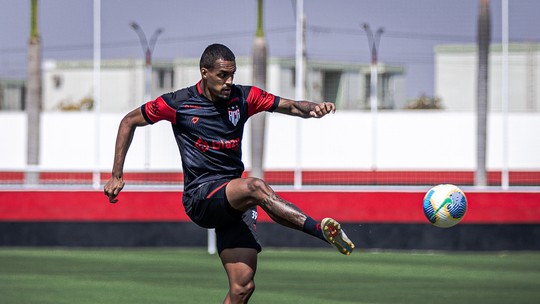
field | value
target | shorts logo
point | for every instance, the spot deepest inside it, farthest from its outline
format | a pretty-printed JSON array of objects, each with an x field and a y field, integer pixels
[
  {"x": 254, "y": 216},
  {"x": 234, "y": 115}
]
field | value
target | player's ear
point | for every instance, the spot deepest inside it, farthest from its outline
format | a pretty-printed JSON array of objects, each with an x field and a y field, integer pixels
[{"x": 204, "y": 73}]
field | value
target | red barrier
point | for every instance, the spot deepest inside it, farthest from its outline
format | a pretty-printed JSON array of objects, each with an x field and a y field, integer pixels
[
  {"x": 309, "y": 177},
  {"x": 346, "y": 206}
]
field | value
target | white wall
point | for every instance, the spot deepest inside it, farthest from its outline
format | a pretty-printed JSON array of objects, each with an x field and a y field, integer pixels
[
  {"x": 406, "y": 141},
  {"x": 13, "y": 140}
]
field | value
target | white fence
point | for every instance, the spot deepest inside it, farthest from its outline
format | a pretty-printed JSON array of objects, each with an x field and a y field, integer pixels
[{"x": 407, "y": 140}]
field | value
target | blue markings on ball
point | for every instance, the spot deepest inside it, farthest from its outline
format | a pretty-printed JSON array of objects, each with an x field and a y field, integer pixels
[
  {"x": 458, "y": 206},
  {"x": 428, "y": 208}
]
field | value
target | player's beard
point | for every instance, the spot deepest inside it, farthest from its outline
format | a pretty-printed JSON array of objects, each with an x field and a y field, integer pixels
[
  {"x": 225, "y": 93},
  {"x": 220, "y": 95},
  {"x": 224, "y": 96}
]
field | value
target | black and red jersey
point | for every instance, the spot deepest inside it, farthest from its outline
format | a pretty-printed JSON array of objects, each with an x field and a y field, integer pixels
[{"x": 209, "y": 134}]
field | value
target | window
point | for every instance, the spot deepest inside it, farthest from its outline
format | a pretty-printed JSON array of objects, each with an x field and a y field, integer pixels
[
  {"x": 331, "y": 82},
  {"x": 165, "y": 78},
  {"x": 57, "y": 81},
  {"x": 12, "y": 95}
]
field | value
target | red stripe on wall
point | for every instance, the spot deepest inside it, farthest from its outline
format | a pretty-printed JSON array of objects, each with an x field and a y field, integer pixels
[
  {"x": 406, "y": 207},
  {"x": 348, "y": 206},
  {"x": 330, "y": 177},
  {"x": 90, "y": 206}
]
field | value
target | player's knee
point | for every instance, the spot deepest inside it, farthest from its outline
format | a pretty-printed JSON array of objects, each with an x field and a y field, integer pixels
[
  {"x": 258, "y": 188},
  {"x": 243, "y": 291}
]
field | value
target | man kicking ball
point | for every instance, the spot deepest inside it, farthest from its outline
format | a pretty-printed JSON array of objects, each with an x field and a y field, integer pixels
[{"x": 208, "y": 123}]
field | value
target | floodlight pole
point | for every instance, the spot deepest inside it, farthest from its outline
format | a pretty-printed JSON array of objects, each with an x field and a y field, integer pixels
[
  {"x": 373, "y": 41},
  {"x": 148, "y": 48}
]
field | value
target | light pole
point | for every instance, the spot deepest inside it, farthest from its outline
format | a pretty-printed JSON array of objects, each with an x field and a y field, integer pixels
[
  {"x": 373, "y": 41},
  {"x": 148, "y": 48}
]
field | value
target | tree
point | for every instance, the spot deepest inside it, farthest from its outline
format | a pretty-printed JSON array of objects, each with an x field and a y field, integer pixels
[
  {"x": 483, "y": 38},
  {"x": 258, "y": 121},
  {"x": 33, "y": 95}
]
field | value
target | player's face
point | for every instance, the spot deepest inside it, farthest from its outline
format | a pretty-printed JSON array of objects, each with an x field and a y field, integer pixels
[{"x": 219, "y": 79}]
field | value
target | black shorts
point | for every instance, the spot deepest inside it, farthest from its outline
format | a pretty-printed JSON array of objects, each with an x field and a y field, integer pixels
[{"x": 208, "y": 207}]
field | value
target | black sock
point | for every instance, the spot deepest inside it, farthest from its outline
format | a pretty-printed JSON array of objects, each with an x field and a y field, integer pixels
[{"x": 313, "y": 228}]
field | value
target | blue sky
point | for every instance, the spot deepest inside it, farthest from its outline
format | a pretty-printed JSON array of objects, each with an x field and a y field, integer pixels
[{"x": 412, "y": 29}]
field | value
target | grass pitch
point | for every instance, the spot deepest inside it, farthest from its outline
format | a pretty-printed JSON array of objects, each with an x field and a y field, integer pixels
[{"x": 170, "y": 275}]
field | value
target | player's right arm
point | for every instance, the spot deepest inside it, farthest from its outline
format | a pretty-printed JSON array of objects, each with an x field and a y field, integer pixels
[{"x": 124, "y": 137}]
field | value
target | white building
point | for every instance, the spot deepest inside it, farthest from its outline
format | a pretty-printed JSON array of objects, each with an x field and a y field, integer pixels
[
  {"x": 405, "y": 140},
  {"x": 456, "y": 77},
  {"x": 69, "y": 84}
]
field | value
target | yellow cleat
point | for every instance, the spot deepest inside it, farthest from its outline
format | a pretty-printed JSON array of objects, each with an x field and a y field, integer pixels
[{"x": 334, "y": 235}]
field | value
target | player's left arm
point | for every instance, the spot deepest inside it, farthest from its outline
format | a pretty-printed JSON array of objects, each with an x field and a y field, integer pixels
[
  {"x": 305, "y": 109},
  {"x": 124, "y": 137}
]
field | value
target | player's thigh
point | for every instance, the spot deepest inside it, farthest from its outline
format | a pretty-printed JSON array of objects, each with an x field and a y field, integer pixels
[
  {"x": 243, "y": 193},
  {"x": 240, "y": 264}
]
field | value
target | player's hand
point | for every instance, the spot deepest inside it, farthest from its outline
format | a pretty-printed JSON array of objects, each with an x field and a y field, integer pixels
[
  {"x": 322, "y": 109},
  {"x": 113, "y": 188}
]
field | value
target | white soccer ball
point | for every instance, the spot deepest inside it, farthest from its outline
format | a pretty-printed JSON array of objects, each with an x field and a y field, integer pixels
[{"x": 445, "y": 205}]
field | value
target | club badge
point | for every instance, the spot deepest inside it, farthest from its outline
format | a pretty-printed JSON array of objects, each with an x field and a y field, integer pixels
[{"x": 234, "y": 115}]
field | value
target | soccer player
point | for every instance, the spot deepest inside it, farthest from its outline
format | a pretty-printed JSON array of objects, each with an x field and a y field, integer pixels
[{"x": 208, "y": 122}]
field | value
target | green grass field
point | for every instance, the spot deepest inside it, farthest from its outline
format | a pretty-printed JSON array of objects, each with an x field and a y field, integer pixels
[{"x": 170, "y": 275}]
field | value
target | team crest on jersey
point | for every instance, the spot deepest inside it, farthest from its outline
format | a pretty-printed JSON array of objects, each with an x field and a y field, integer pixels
[{"x": 234, "y": 115}]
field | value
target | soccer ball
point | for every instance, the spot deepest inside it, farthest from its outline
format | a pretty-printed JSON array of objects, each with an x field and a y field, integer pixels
[{"x": 445, "y": 205}]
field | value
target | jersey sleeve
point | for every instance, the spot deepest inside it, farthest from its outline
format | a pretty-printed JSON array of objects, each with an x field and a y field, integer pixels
[
  {"x": 259, "y": 100},
  {"x": 158, "y": 109}
]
